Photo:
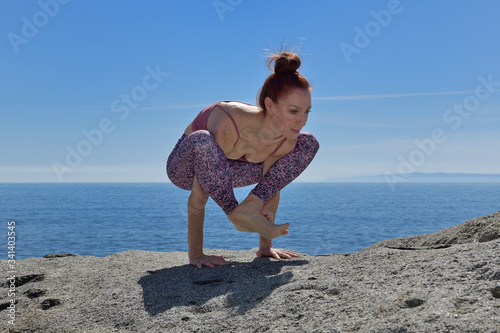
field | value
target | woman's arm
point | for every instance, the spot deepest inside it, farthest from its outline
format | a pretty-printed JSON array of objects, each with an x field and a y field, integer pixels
[
  {"x": 196, "y": 217},
  {"x": 272, "y": 207},
  {"x": 265, "y": 244}
]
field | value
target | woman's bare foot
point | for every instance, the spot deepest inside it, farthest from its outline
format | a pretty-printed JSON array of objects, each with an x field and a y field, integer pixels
[{"x": 248, "y": 217}]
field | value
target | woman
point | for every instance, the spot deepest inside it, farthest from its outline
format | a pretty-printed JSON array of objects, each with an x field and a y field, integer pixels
[{"x": 233, "y": 144}]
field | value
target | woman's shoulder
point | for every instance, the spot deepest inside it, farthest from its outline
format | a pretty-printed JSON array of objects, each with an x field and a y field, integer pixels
[{"x": 239, "y": 107}]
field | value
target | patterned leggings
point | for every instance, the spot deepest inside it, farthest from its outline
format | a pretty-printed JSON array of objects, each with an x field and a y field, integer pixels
[{"x": 199, "y": 155}]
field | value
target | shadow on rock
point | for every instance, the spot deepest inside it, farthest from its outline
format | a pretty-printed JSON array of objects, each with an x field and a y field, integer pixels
[{"x": 238, "y": 286}]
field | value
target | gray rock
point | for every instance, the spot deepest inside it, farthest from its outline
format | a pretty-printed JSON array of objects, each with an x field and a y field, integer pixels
[
  {"x": 442, "y": 282},
  {"x": 481, "y": 229}
]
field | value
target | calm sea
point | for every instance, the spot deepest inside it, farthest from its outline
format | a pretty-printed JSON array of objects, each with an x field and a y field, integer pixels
[{"x": 100, "y": 219}]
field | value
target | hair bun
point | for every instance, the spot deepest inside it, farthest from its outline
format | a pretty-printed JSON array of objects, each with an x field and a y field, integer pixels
[{"x": 286, "y": 62}]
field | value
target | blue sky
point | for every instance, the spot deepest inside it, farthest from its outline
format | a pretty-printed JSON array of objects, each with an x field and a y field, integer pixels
[{"x": 96, "y": 91}]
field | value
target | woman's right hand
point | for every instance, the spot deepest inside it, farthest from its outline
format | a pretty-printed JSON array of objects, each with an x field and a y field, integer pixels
[{"x": 209, "y": 261}]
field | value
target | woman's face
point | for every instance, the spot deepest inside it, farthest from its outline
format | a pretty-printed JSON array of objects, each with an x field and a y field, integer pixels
[{"x": 289, "y": 115}]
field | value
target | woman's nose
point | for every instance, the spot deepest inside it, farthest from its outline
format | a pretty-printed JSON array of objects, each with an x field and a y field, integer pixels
[{"x": 302, "y": 120}]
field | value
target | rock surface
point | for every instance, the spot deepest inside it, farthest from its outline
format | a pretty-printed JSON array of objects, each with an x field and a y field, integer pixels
[{"x": 448, "y": 281}]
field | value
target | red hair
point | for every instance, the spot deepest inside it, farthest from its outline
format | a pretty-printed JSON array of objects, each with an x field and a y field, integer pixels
[{"x": 284, "y": 78}]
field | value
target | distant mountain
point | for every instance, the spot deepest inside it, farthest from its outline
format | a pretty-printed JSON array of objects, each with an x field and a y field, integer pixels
[{"x": 420, "y": 177}]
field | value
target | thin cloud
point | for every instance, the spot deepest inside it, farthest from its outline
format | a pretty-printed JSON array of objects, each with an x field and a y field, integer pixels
[
  {"x": 139, "y": 107},
  {"x": 380, "y": 96}
]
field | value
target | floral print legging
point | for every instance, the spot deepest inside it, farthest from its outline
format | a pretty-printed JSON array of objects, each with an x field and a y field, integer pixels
[{"x": 199, "y": 155}]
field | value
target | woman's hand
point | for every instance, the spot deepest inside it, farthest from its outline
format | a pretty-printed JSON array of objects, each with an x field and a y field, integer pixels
[
  {"x": 277, "y": 253},
  {"x": 209, "y": 261}
]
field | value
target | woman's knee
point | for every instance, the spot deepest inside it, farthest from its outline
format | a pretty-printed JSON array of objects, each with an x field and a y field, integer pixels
[
  {"x": 190, "y": 151},
  {"x": 307, "y": 141},
  {"x": 201, "y": 138}
]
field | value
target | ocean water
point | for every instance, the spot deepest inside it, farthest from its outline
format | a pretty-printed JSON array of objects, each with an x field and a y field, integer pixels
[{"x": 100, "y": 219}]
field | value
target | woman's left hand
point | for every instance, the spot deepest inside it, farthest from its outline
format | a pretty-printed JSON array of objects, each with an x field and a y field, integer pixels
[{"x": 277, "y": 253}]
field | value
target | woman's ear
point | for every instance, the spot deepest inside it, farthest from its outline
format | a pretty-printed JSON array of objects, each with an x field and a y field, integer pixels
[{"x": 268, "y": 102}]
